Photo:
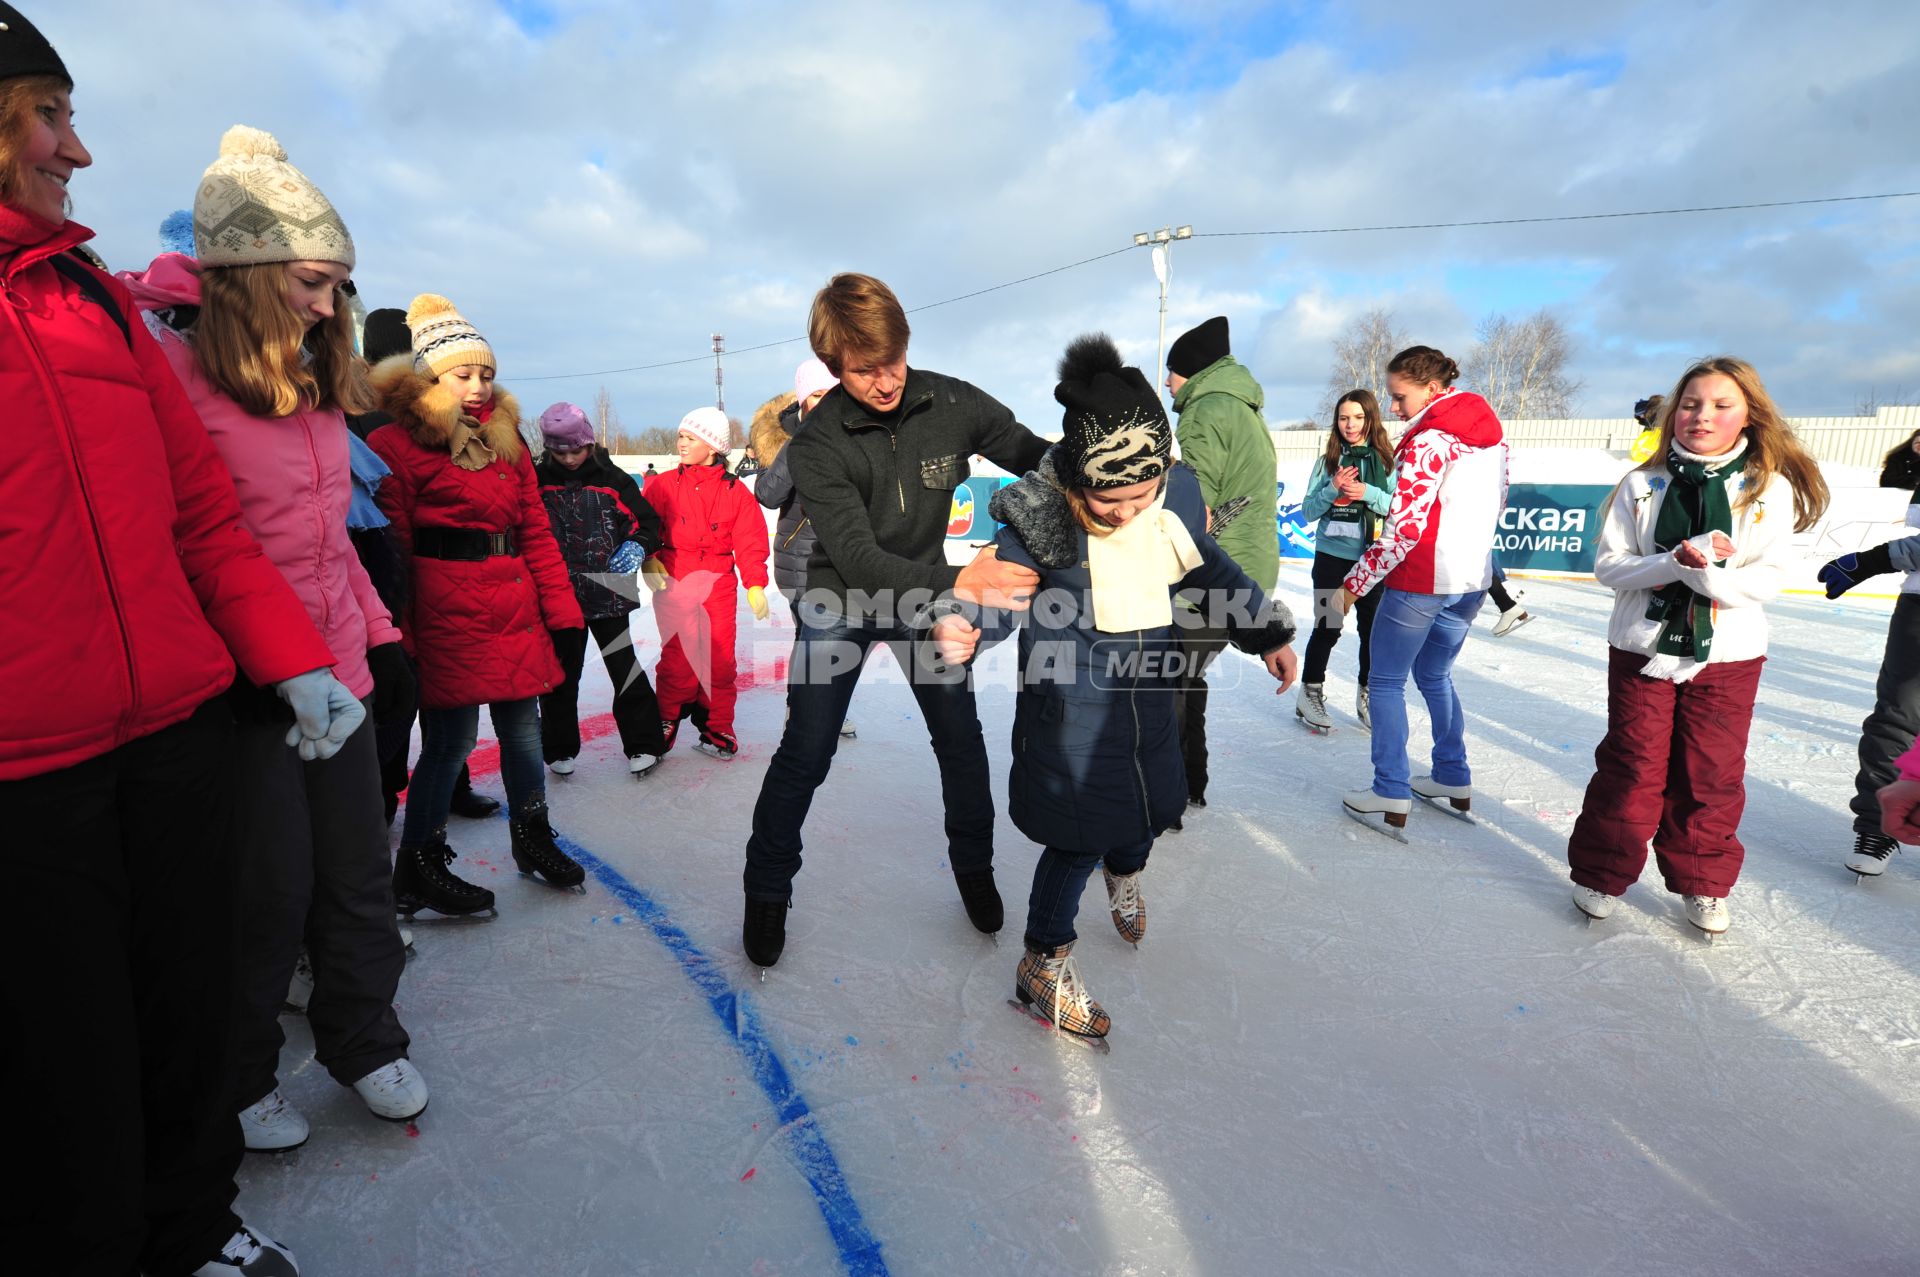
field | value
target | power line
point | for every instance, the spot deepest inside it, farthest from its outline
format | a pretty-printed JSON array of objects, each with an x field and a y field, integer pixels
[
  {"x": 1315, "y": 230},
  {"x": 1565, "y": 217}
]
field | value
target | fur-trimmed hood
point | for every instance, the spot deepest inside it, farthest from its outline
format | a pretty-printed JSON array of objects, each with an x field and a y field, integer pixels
[
  {"x": 770, "y": 431},
  {"x": 429, "y": 411}
]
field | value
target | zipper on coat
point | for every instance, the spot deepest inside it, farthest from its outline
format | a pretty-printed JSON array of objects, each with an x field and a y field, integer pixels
[
  {"x": 1133, "y": 701},
  {"x": 59, "y": 405},
  {"x": 798, "y": 528},
  {"x": 894, "y": 440}
]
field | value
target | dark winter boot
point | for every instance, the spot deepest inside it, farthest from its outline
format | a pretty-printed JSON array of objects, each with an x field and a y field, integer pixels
[
  {"x": 763, "y": 934},
  {"x": 535, "y": 851},
  {"x": 982, "y": 900},
  {"x": 421, "y": 880},
  {"x": 469, "y": 804}
]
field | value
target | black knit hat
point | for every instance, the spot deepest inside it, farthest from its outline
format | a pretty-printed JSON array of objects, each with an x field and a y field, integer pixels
[
  {"x": 1195, "y": 348},
  {"x": 386, "y": 334},
  {"x": 1116, "y": 432},
  {"x": 24, "y": 51}
]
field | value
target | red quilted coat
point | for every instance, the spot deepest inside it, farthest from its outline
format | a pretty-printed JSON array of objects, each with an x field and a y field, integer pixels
[
  {"x": 477, "y": 630},
  {"x": 129, "y": 576}
]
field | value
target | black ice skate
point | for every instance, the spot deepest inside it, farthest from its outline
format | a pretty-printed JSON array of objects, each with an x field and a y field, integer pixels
[
  {"x": 422, "y": 880},
  {"x": 763, "y": 932},
  {"x": 535, "y": 851},
  {"x": 716, "y": 744},
  {"x": 982, "y": 900}
]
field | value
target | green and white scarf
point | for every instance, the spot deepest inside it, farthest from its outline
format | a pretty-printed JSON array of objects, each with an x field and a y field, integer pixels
[
  {"x": 1373, "y": 473},
  {"x": 1696, "y": 504}
]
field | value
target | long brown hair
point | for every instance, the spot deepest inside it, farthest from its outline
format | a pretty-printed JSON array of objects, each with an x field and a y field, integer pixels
[
  {"x": 20, "y": 97},
  {"x": 1772, "y": 446},
  {"x": 1376, "y": 431},
  {"x": 249, "y": 343}
]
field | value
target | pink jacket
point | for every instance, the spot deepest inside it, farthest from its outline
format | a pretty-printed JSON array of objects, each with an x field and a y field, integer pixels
[{"x": 294, "y": 482}]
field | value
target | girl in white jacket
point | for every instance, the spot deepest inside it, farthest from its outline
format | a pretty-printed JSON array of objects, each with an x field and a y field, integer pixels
[{"x": 1695, "y": 542}]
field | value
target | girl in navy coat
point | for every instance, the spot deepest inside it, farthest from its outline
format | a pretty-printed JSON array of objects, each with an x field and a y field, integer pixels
[{"x": 1114, "y": 529}]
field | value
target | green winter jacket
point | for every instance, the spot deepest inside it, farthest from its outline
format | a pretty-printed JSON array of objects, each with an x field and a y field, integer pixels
[{"x": 1224, "y": 438}]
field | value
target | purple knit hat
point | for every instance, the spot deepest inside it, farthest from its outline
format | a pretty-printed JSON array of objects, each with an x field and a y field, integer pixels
[{"x": 565, "y": 425}]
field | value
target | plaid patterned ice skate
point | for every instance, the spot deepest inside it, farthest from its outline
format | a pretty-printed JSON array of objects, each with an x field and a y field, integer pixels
[
  {"x": 1129, "y": 910},
  {"x": 1049, "y": 982}
]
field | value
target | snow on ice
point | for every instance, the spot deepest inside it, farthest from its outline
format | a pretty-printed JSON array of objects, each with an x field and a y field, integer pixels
[{"x": 1331, "y": 1055}]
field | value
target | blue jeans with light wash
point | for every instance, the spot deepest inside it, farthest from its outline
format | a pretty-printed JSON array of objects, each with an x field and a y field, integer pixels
[
  {"x": 1418, "y": 634},
  {"x": 447, "y": 737}
]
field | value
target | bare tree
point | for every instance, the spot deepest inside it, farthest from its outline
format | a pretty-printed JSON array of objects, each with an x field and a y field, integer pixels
[
  {"x": 653, "y": 440},
  {"x": 1520, "y": 366},
  {"x": 1874, "y": 399},
  {"x": 606, "y": 422},
  {"x": 1360, "y": 355}
]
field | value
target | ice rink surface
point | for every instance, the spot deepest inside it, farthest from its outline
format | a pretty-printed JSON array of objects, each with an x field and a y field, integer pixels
[{"x": 1333, "y": 1054}]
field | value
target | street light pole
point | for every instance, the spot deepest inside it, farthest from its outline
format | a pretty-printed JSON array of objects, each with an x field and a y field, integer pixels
[
  {"x": 719, "y": 377},
  {"x": 1161, "y": 241}
]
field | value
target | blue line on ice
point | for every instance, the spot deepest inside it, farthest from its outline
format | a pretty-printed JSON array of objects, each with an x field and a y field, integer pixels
[{"x": 859, "y": 1248}]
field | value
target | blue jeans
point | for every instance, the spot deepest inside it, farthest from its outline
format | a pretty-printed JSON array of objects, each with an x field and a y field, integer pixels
[
  {"x": 1058, "y": 881},
  {"x": 1418, "y": 634},
  {"x": 446, "y": 738},
  {"x": 828, "y": 654}
]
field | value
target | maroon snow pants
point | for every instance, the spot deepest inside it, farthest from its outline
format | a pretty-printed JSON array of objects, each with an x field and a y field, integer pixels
[{"x": 1672, "y": 769}]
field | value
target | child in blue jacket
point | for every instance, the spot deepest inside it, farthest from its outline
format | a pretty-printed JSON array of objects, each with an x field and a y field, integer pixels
[{"x": 1114, "y": 529}]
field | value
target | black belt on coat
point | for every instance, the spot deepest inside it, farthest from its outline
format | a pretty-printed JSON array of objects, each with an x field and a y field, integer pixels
[{"x": 468, "y": 545}]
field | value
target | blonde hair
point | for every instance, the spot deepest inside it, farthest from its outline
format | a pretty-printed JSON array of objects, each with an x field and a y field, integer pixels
[
  {"x": 249, "y": 343},
  {"x": 20, "y": 97},
  {"x": 856, "y": 315},
  {"x": 1772, "y": 447}
]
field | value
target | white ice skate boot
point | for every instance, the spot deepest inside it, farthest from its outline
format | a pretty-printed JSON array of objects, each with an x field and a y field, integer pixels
[
  {"x": 1455, "y": 800},
  {"x": 1709, "y": 913},
  {"x": 395, "y": 1092},
  {"x": 1870, "y": 854},
  {"x": 561, "y": 767},
  {"x": 847, "y": 731},
  {"x": 250, "y": 1253},
  {"x": 1595, "y": 904},
  {"x": 1311, "y": 708},
  {"x": 1513, "y": 618},
  {"x": 272, "y": 1125},
  {"x": 300, "y": 987},
  {"x": 1363, "y": 706},
  {"x": 640, "y": 764},
  {"x": 1364, "y": 805}
]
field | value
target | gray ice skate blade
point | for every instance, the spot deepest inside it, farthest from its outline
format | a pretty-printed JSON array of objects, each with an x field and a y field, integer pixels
[
  {"x": 1382, "y": 827},
  {"x": 1441, "y": 803}
]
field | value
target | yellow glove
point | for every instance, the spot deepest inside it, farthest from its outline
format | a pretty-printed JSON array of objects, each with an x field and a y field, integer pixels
[
  {"x": 757, "y": 600},
  {"x": 654, "y": 573}
]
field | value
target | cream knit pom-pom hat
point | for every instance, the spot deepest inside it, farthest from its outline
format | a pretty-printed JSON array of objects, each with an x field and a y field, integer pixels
[
  {"x": 254, "y": 207},
  {"x": 442, "y": 337}
]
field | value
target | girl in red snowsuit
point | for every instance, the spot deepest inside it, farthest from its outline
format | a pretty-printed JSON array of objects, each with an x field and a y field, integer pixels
[{"x": 713, "y": 527}]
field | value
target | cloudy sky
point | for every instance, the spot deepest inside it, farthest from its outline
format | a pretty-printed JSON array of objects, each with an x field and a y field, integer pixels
[{"x": 603, "y": 185}]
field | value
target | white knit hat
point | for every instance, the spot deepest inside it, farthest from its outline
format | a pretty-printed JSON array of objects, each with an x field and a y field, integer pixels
[
  {"x": 442, "y": 337},
  {"x": 710, "y": 426},
  {"x": 254, "y": 207}
]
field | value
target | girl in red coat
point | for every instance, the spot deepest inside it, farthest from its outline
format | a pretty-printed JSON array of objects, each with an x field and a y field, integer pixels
[
  {"x": 488, "y": 583},
  {"x": 713, "y": 528}
]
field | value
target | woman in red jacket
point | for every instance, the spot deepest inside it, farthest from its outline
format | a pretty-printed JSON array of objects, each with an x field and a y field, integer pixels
[
  {"x": 713, "y": 527},
  {"x": 488, "y": 583},
  {"x": 114, "y": 653},
  {"x": 268, "y": 362}
]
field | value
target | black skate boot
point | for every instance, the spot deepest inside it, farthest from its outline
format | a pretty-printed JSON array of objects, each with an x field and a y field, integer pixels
[
  {"x": 535, "y": 851},
  {"x": 468, "y": 804},
  {"x": 982, "y": 899},
  {"x": 717, "y": 744},
  {"x": 422, "y": 880},
  {"x": 764, "y": 932},
  {"x": 669, "y": 732}
]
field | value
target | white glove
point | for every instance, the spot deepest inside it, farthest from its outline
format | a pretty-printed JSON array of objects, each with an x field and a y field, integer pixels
[{"x": 325, "y": 713}]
